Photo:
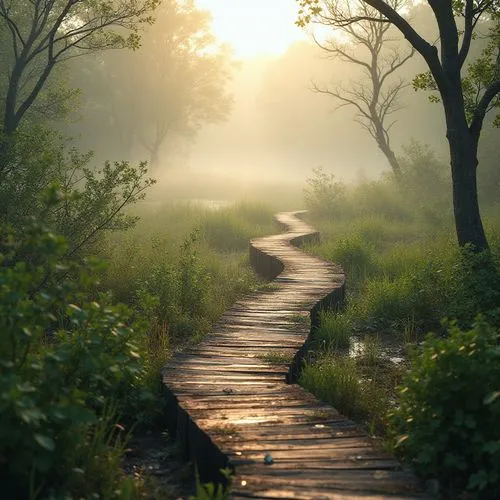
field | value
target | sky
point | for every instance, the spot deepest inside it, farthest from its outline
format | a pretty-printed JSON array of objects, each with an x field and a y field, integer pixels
[{"x": 255, "y": 27}]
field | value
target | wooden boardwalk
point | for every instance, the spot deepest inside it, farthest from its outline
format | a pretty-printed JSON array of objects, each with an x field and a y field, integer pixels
[{"x": 230, "y": 407}]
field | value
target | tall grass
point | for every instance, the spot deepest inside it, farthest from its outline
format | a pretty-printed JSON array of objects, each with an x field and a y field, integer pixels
[
  {"x": 334, "y": 330},
  {"x": 180, "y": 268},
  {"x": 405, "y": 273},
  {"x": 338, "y": 380}
]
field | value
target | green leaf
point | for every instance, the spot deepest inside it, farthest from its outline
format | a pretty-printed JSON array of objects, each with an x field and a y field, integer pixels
[
  {"x": 491, "y": 397},
  {"x": 45, "y": 442}
]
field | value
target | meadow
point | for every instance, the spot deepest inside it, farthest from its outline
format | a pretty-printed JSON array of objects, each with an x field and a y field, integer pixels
[{"x": 375, "y": 359}]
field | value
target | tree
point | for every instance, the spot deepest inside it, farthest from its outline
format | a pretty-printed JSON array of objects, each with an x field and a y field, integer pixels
[
  {"x": 376, "y": 98},
  {"x": 458, "y": 22},
  {"x": 44, "y": 33},
  {"x": 178, "y": 82}
]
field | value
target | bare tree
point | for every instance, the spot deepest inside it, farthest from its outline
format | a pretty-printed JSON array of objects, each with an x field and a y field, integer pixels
[
  {"x": 43, "y": 33},
  {"x": 371, "y": 46},
  {"x": 457, "y": 22}
]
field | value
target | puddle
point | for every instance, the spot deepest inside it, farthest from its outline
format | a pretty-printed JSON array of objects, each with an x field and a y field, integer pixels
[{"x": 390, "y": 349}]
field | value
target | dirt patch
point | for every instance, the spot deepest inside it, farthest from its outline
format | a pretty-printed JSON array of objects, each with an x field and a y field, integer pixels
[{"x": 153, "y": 459}]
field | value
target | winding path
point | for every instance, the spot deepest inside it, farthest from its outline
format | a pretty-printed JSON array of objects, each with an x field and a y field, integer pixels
[{"x": 230, "y": 406}]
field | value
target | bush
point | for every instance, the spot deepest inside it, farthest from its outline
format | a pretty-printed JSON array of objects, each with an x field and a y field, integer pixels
[
  {"x": 69, "y": 368},
  {"x": 447, "y": 421},
  {"x": 383, "y": 199},
  {"x": 324, "y": 195},
  {"x": 88, "y": 201},
  {"x": 476, "y": 279}
]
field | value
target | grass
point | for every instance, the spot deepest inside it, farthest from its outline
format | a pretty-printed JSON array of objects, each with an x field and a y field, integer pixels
[
  {"x": 334, "y": 330},
  {"x": 267, "y": 287},
  {"x": 300, "y": 319},
  {"x": 319, "y": 415},
  {"x": 335, "y": 379},
  {"x": 183, "y": 265},
  {"x": 372, "y": 350},
  {"x": 404, "y": 274}
]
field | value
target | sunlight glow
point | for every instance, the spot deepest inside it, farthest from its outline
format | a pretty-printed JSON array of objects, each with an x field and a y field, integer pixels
[{"x": 255, "y": 27}]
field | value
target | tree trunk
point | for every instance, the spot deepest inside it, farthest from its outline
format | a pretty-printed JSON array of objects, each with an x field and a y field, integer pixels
[
  {"x": 463, "y": 154},
  {"x": 391, "y": 158},
  {"x": 382, "y": 141},
  {"x": 10, "y": 122}
]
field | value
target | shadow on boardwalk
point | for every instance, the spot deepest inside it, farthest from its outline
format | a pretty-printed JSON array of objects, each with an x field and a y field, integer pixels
[{"x": 228, "y": 407}]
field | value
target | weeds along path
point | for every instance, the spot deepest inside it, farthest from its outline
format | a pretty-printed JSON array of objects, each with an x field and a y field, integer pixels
[{"x": 231, "y": 401}]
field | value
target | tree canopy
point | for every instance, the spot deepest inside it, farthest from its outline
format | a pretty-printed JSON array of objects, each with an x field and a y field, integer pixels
[
  {"x": 163, "y": 92},
  {"x": 42, "y": 33}
]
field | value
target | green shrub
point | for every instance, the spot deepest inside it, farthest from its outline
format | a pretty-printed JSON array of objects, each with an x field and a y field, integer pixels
[
  {"x": 89, "y": 201},
  {"x": 382, "y": 198},
  {"x": 324, "y": 196},
  {"x": 447, "y": 421},
  {"x": 476, "y": 280},
  {"x": 68, "y": 368}
]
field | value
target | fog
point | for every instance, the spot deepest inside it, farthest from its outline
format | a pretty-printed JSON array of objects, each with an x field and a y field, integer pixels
[
  {"x": 198, "y": 113},
  {"x": 280, "y": 127}
]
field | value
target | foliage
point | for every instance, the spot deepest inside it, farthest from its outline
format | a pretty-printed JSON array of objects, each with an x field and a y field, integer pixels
[
  {"x": 324, "y": 194},
  {"x": 447, "y": 421},
  {"x": 42, "y": 34},
  {"x": 178, "y": 85},
  {"x": 69, "y": 368},
  {"x": 86, "y": 201},
  {"x": 476, "y": 287},
  {"x": 481, "y": 73},
  {"x": 172, "y": 276},
  {"x": 211, "y": 491}
]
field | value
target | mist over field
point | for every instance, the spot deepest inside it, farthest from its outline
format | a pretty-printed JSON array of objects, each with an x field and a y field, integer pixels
[{"x": 269, "y": 123}]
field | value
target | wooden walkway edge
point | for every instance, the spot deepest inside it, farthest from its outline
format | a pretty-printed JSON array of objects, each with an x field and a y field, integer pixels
[{"x": 228, "y": 406}]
